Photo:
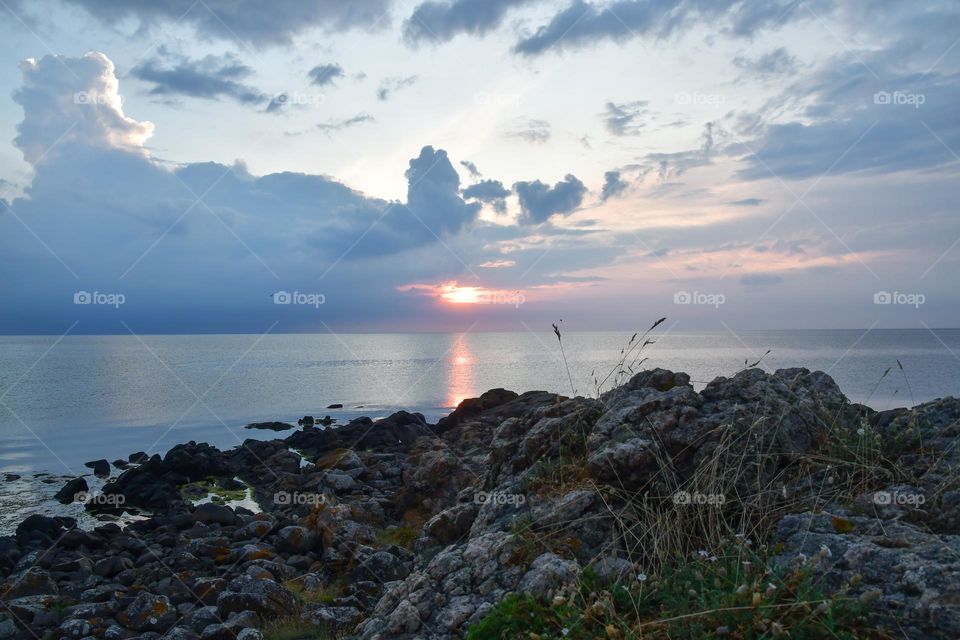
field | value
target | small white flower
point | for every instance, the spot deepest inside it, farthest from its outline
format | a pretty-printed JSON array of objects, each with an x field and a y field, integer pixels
[
  {"x": 825, "y": 551},
  {"x": 565, "y": 631},
  {"x": 860, "y": 431},
  {"x": 713, "y": 558},
  {"x": 642, "y": 577},
  {"x": 703, "y": 553}
]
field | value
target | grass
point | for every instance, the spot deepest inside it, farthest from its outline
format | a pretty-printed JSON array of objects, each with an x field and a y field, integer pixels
[
  {"x": 701, "y": 577},
  {"x": 736, "y": 595},
  {"x": 293, "y": 629},
  {"x": 400, "y": 536},
  {"x": 325, "y": 595}
]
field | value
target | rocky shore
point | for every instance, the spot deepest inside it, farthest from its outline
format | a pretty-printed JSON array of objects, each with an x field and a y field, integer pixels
[{"x": 765, "y": 505}]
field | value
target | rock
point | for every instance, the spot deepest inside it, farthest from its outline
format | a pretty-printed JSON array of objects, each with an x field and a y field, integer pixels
[
  {"x": 111, "y": 566},
  {"x": 306, "y": 422},
  {"x": 271, "y": 426},
  {"x": 909, "y": 570},
  {"x": 404, "y": 619},
  {"x": 68, "y": 493},
  {"x": 295, "y": 539},
  {"x": 335, "y": 620},
  {"x": 138, "y": 458},
  {"x": 8, "y": 630},
  {"x": 230, "y": 629},
  {"x": 31, "y": 582},
  {"x": 266, "y": 598},
  {"x": 335, "y": 405},
  {"x": 547, "y": 574},
  {"x": 339, "y": 482},
  {"x": 37, "y": 530},
  {"x": 210, "y": 513},
  {"x": 75, "y": 629},
  {"x": 101, "y": 468},
  {"x": 148, "y": 612}
]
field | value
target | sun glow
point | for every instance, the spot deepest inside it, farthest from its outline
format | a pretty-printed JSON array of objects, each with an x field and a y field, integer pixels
[
  {"x": 460, "y": 295},
  {"x": 453, "y": 293}
]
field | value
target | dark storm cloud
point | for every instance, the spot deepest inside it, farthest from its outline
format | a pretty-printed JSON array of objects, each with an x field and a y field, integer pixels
[
  {"x": 252, "y": 21},
  {"x": 489, "y": 191},
  {"x": 211, "y": 77},
  {"x": 583, "y": 24},
  {"x": 613, "y": 185},
  {"x": 437, "y": 22},
  {"x": 539, "y": 201},
  {"x": 324, "y": 74}
]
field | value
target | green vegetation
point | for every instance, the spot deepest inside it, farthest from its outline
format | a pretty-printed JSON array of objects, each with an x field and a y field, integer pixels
[
  {"x": 736, "y": 595},
  {"x": 195, "y": 491},
  {"x": 400, "y": 536},
  {"x": 325, "y": 595},
  {"x": 293, "y": 629}
]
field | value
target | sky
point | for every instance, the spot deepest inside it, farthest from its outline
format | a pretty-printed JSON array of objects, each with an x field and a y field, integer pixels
[{"x": 180, "y": 166}]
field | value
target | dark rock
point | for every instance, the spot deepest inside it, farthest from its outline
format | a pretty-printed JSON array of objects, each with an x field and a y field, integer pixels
[
  {"x": 335, "y": 405},
  {"x": 101, "y": 468},
  {"x": 270, "y": 426},
  {"x": 68, "y": 493},
  {"x": 148, "y": 612},
  {"x": 306, "y": 422},
  {"x": 138, "y": 458}
]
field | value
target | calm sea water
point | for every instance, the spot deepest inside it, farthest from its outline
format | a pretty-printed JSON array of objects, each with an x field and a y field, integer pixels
[
  {"x": 87, "y": 397},
  {"x": 66, "y": 402}
]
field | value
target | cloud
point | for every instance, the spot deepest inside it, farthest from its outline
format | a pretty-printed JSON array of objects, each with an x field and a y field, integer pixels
[
  {"x": 471, "y": 168},
  {"x": 747, "y": 202},
  {"x": 620, "y": 119},
  {"x": 490, "y": 191},
  {"x": 773, "y": 64},
  {"x": 868, "y": 114},
  {"x": 249, "y": 20},
  {"x": 391, "y": 85},
  {"x": 613, "y": 185},
  {"x": 497, "y": 264},
  {"x": 583, "y": 24},
  {"x": 433, "y": 195},
  {"x": 324, "y": 74},
  {"x": 346, "y": 123},
  {"x": 536, "y": 131},
  {"x": 211, "y": 78},
  {"x": 439, "y": 22},
  {"x": 679, "y": 162},
  {"x": 538, "y": 201},
  {"x": 58, "y": 91}
]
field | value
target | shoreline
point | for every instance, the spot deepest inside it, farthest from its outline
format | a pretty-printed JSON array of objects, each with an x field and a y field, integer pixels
[{"x": 360, "y": 522}]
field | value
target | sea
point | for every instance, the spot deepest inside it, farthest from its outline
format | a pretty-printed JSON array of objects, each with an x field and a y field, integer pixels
[{"x": 68, "y": 400}]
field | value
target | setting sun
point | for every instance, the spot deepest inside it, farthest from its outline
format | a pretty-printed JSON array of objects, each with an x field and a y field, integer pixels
[{"x": 460, "y": 295}]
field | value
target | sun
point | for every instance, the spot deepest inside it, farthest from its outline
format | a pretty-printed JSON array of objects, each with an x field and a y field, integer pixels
[{"x": 460, "y": 295}]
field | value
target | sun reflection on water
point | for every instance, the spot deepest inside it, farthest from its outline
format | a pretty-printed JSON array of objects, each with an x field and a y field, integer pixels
[{"x": 460, "y": 381}]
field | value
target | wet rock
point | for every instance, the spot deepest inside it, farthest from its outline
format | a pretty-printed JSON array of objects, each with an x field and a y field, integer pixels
[
  {"x": 210, "y": 513},
  {"x": 68, "y": 493},
  {"x": 270, "y": 426},
  {"x": 101, "y": 468}
]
